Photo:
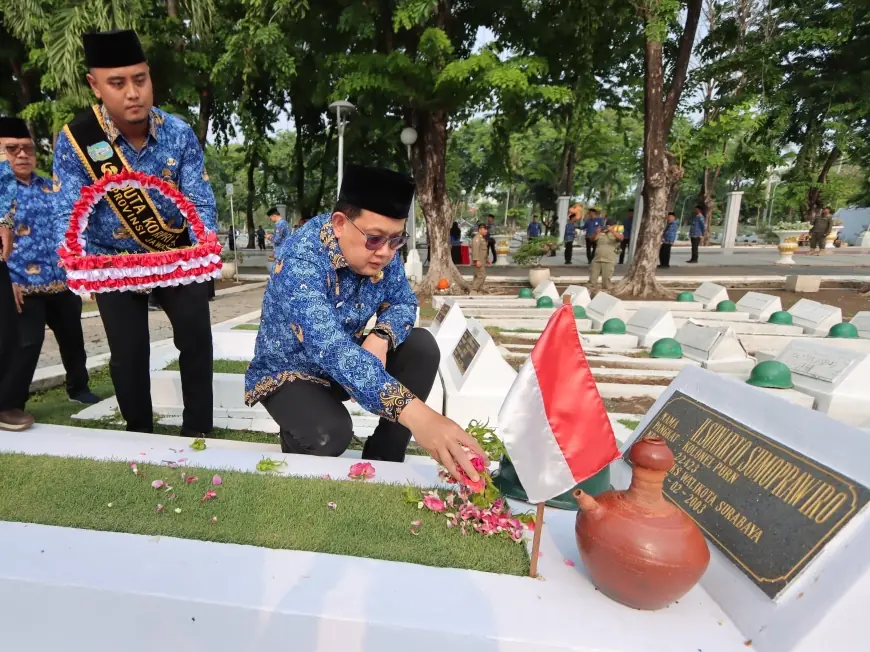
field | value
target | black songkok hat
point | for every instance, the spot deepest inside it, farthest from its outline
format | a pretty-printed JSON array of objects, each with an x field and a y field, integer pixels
[
  {"x": 13, "y": 128},
  {"x": 273, "y": 211},
  {"x": 115, "y": 49},
  {"x": 378, "y": 190}
]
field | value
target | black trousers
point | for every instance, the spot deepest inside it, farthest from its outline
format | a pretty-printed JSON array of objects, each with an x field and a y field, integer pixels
[
  {"x": 313, "y": 420},
  {"x": 8, "y": 322},
  {"x": 591, "y": 246},
  {"x": 665, "y": 255},
  {"x": 569, "y": 250},
  {"x": 491, "y": 247},
  {"x": 125, "y": 318},
  {"x": 62, "y": 313},
  {"x": 455, "y": 254},
  {"x": 696, "y": 242},
  {"x": 623, "y": 247}
]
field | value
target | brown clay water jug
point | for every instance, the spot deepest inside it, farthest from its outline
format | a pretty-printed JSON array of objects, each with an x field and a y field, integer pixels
[{"x": 640, "y": 549}]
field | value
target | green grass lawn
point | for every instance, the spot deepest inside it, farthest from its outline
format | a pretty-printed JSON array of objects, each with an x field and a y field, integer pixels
[
  {"x": 370, "y": 520},
  {"x": 631, "y": 424},
  {"x": 220, "y": 366},
  {"x": 89, "y": 306},
  {"x": 247, "y": 327}
]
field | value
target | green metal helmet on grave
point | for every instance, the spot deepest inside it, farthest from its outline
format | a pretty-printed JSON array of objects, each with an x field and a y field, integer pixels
[
  {"x": 579, "y": 312},
  {"x": 544, "y": 302},
  {"x": 844, "y": 330},
  {"x": 613, "y": 326},
  {"x": 526, "y": 293},
  {"x": 726, "y": 306},
  {"x": 781, "y": 317},
  {"x": 667, "y": 348},
  {"x": 686, "y": 297},
  {"x": 771, "y": 373}
]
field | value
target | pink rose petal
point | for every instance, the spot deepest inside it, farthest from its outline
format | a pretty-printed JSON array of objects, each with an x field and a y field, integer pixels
[
  {"x": 326, "y": 476},
  {"x": 361, "y": 471},
  {"x": 190, "y": 479},
  {"x": 134, "y": 468},
  {"x": 332, "y": 505},
  {"x": 213, "y": 520},
  {"x": 157, "y": 484},
  {"x": 159, "y": 508},
  {"x": 209, "y": 495},
  {"x": 217, "y": 480},
  {"x": 569, "y": 562},
  {"x": 434, "y": 504},
  {"x": 415, "y": 527}
]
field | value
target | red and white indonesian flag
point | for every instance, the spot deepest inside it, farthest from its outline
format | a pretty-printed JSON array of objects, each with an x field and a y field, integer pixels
[{"x": 553, "y": 421}]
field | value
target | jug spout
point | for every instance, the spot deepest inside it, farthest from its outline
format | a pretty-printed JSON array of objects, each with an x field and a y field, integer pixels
[{"x": 587, "y": 503}]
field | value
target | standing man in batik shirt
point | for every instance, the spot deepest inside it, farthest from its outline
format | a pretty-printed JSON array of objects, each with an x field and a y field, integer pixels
[
  {"x": 41, "y": 294},
  {"x": 126, "y": 131},
  {"x": 282, "y": 228},
  {"x": 312, "y": 352},
  {"x": 8, "y": 309}
]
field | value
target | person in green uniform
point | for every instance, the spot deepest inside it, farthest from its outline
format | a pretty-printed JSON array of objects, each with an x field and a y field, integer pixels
[
  {"x": 606, "y": 252},
  {"x": 479, "y": 257}
]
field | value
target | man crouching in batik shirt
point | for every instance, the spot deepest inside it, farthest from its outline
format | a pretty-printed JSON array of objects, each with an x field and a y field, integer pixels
[
  {"x": 312, "y": 354},
  {"x": 39, "y": 284}
]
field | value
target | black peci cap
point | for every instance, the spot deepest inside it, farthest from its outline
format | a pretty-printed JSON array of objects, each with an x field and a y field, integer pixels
[
  {"x": 13, "y": 128},
  {"x": 378, "y": 190},
  {"x": 273, "y": 211},
  {"x": 115, "y": 49}
]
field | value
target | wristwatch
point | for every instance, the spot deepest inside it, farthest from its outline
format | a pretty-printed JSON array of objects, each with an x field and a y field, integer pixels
[{"x": 382, "y": 335}]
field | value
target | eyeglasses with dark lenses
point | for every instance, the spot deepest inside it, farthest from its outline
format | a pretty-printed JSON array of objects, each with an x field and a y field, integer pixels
[
  {"x": 12, "y": 150},
  {"x": 375, "y": 242}
]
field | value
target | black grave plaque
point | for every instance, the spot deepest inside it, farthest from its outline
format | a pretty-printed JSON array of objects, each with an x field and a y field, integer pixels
[
  {"x": 770, "y": 509},
  {"x": 465, "y": 351},
  {"x": 442, "y": 313}
]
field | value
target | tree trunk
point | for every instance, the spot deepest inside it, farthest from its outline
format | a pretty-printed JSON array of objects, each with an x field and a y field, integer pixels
[
  {"x": 206, "y": 102},
  {"x": 428, "y": 161},
  {"x": 172, "y": 8},
  {"x": 252, "y": 166},
  {"x": 814, "y": 194}
]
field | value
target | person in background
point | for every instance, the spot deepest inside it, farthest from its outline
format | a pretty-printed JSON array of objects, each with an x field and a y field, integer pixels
[
  {"x": 570, "y": 231},
  {"x": 626, "y": 235},
  {"x": 455, "y": 243},
  {"x": 479, "y": 255},
  {"x": 261, "y": 238},
  {"x": 534, "y": 228},
  {"x": 608, "y": 240},
  {"x": 282, "y": 229},
  {"x": 490, "y": 238},
  {"x": 697, "y": 230},
  {"x": 668, "y": 239},
  {"x": 592, "y": 225},
  {"x": 8, "y": 308},
  {"x": 39, "y": 283},
  {"x": 820, "y": 227}
]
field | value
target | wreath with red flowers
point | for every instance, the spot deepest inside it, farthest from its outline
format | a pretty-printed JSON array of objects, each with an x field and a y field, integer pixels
[{"x": 87, "y": 273}]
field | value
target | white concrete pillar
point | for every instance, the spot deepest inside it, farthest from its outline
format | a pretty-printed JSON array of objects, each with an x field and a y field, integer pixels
[
  {"x": 562, "y": 205},
  {"x": 732, "y": 216},
  {"x": 638, "y": 218}
]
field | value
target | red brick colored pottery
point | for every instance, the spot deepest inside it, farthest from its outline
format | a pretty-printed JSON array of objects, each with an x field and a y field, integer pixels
[{"x": 640, "y": 549}]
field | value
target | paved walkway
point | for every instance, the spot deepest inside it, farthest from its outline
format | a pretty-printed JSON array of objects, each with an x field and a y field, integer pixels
[{"x": 223, "y": 308}]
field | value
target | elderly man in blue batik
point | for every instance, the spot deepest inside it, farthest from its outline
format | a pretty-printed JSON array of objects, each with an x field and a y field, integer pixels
[
  {"x": 125, "y": 130},
  {"x": 697, "y": 231},
  {"x": 8, "y": 319},
  {"x": 312, "y": 352},
  {"x": 41, "y": 294},
  {"x": 668, "y": 239}
]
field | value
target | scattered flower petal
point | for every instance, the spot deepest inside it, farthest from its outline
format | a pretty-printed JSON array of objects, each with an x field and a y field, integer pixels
[
  {"x": 143, "y": 454},
  {"x": 326, "y": 476},
  {"x": 157, "y": 484},
  {"x": 110, "y": 504},
  {"x": 134, "y": 468},
  {"x": 217, "y": 480},
  {"x": 213, "y": 520},
  {"x": 209, "y": 495},
  {"x": 415, "y": 527},
  {"x": 159, "y": 508},
  {"x": 183, "y": 460},
  {"x": 332, "y": 505},
  {"x": 569, "y": 562},
  {"x": 191, "y": 479},
  {"x": 434, "y": 504},
  {"x": 361, "y": 471},
  {"x": 178, "y": 510}
]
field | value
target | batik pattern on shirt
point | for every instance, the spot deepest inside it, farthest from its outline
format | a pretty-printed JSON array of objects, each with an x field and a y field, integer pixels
[
  {"x": 38, "y": 231},
  {"x": 698, "y": 228},
  {"x": 7, "y": 195},
  {"x": 282, "y": 230},
  {"x": 670, "y": 236},
  {"x": 171, "y": 153},
  {"x": 314, "y": 313}
]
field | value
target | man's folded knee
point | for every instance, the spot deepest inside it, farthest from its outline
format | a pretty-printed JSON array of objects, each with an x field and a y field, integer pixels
[
  {"x": 327, "y": 437},
  {"x": 422, "y": 345}
]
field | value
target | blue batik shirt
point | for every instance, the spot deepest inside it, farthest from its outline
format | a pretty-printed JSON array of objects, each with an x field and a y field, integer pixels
[
  {"x": 282, "y": 230},
  {"x": 670, "y": 236},
  {"x": 698, "y": 228},
  {"x": 314, "y": 313},
  {"x": 592, "y": 224},
  {"x": 171, "y": 153},
  {"x": 534, "y": 230},
  {"x": 629, "y": 223},
  {"x": 570, "y": 228},
  {"x": 8, "y": 189},
  {"x": 38, "y": 231}
]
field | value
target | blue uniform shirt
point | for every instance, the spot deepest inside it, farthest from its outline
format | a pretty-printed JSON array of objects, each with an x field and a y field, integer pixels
[
  {"x": 314, "y": 312},
  {"x": 8, "y": 189},
  {"x": 534, "y": 230},
  {"x": 629, "y": 222},
  {"x": 592, "y": 224},
  {"x": 670, "y": 236},
  {"x": 698, "y": 228},
  {"x": 171, "y": 153},
  {"x": 282, "y": 230},
  {"x": 38, "y": 231},
  {"x": 570, "y": 228}
]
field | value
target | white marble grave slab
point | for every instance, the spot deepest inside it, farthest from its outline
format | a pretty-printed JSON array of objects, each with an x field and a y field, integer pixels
[
  {"x": 861, "y": 321},
  {"x": 447, "y": 326},
  {"x": 717, "y": 349},
  {"x": 710, "y": 294},
  {"x": 579, "y": 295},
  {"x": 838, "y": 379},
  {"x": 650, "y": 325},
  {"x": 814, "y": 317},
  {"x": 759, "y": 306},
  {"x": 547, "y": 289},
  {"x": 604, "y": 307}
]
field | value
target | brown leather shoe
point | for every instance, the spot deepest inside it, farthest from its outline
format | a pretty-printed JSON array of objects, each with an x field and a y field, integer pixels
[{"x": 15, "y": 420}]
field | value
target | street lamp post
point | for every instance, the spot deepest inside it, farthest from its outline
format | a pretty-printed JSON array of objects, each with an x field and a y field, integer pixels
[
  {"x": 413, "y": 264},
  {"x": 341, "y": 109}
]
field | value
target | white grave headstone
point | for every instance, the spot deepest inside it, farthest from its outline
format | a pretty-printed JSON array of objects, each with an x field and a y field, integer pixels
[
  {"x": 650, "y": 325},
  {"x": 814, "y": 317},
  {"x": 604, "y": 307},
  {"x": 780, "y": 494},
  {"x": 710, "y": 294},
  {"x": 448, "y": 326},
  {"x": 759, "y": 306},
  {"x": 547, "y": 289},
  {"x": 476, "y": 377},
  {"x": 716, "y": 348},
  {"x": 579, "y": 295},
  {"x": 838, "y": 379},
  {"x": 861, "y": 321}
]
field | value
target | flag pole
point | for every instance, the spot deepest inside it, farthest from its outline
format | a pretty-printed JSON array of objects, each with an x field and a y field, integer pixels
[{"x": 536, "y": 541}]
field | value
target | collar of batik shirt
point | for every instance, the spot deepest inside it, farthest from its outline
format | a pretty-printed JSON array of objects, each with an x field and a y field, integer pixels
[
  {"x": 112, "y": 131},
  {"x": 330, "y": 242}
]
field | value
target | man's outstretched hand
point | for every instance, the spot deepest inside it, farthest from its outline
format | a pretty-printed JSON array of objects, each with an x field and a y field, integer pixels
[
  {"x": 442, "y": 438},
  {"x": 5, "y": 243}
]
